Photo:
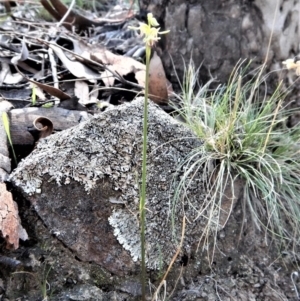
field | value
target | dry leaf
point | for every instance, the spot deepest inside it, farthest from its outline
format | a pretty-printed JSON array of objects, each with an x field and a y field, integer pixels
[
  {"x": 157, "y": 80},
  {"x": 81, "y": 90},
  {"x": 107, "y": 78},
  {"x": 51, "y": 90},
  {"x": 120, "y": 64},
  {"x": 7, "y": 77},
  {"x": 38, "y": 91},
  {"x": 76, "y": 68},
  {"x": 44, "y": 126},
  {"x": 10, "y": 224},
  {"x": 21, "y": 56},
  {"x": 94, "y": 94},
  {"x": 81, "y": 48}
]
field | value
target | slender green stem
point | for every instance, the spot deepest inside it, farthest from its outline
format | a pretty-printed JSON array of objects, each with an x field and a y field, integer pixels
[
  {"x": 150, "y": 32},
  {"x": 144, "y": 174}
]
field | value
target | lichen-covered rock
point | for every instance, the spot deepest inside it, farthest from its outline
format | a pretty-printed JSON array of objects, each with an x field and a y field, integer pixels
[
  {"x": 84, "y": 183},
  {"x": 89, "y": 293}
]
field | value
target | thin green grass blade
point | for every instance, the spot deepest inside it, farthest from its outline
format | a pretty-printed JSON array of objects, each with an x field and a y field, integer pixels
[
  {"x": 5, "y": 120},
  {"x": 244, "y": 135}
]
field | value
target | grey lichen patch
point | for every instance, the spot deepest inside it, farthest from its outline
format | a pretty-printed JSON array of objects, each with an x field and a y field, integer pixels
[
  {"x": 123, "y": 223},
  {"x": 87, "y": 153},
  {"x": 109, "y": 146}
]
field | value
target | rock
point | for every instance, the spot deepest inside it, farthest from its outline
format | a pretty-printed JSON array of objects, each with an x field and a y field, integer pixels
[
  {"x": 217, "y": 34},
  {"x": 84, "y": 184},
  {"x": 83, "y": 292},
  {"x": 89, "y": 293}
]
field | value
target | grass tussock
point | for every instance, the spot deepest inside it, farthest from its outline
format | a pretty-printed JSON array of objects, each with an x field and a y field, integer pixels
[{"x": 245, "y": 138}]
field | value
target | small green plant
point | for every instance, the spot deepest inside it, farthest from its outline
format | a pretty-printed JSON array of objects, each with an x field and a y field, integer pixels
[
  {"x": 48, "y": 105},
  {"x": 5, "y": 121},
  {"x": 150, "y": 32},
  {"x": 45, "y": 286},
  {"x": 245, "y": 138}
]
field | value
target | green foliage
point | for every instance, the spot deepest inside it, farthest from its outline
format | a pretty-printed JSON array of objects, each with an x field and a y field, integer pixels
[
  {"x": 45, "y": 286},
  {"x": 5, "y": 121},
  {"x": 48, "y": 105},
  {"x": 245, "y": 138}
]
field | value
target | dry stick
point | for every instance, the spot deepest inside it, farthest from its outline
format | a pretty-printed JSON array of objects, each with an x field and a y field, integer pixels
[
  {"x": 176, "y": 282},
  {"x": 66, "y": 14},
  {"x": 172, "y": 261},
  {"x": 53, "y": 68},
  {"x": 38, "y": 25},
  {"x": 50, "y": 9},
  {"x": 57, "y": 9}
]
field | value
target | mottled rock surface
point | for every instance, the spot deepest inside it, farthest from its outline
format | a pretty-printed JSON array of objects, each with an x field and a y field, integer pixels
[
  {"x": 89, "y": 293},
  {"x": 217, "y": 34},
  {"x": 84, "y": 183}
]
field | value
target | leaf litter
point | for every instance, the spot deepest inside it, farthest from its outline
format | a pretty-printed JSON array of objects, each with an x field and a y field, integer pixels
[{"x": 85, "y": 61}]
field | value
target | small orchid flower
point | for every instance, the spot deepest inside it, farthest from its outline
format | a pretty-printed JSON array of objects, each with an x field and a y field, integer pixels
[
  {"x": 150, "y": 31},
  {"x": 291, "y": 64},
  {"x": 151, "y": 34}
]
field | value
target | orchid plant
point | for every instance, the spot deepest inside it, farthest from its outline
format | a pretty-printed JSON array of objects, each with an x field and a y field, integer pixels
[
  {"x": 292, "y": 64},
  {"x": 151, "y": 33}
]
